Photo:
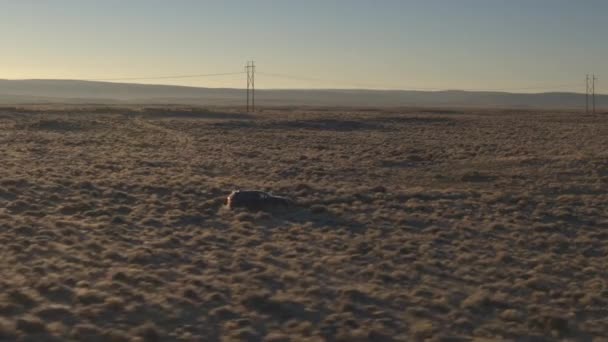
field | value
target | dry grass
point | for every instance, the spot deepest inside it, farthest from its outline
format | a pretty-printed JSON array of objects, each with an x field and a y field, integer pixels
[{"x": 411, "y": 225}]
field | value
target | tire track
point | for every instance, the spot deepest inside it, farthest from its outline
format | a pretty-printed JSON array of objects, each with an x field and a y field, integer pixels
[
  {"x": 183, "y": 142},
  {"x": 180, "y": 138}
]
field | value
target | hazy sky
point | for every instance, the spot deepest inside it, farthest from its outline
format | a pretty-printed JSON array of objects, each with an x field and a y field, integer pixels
[{"x": 519, "y": 45}]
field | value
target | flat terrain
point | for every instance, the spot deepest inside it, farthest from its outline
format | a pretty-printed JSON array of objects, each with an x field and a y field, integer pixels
[{"x": 448, "y": 225}]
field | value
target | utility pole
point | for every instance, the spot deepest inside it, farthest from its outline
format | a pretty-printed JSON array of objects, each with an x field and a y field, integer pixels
[{"x": 250, "y": 68}]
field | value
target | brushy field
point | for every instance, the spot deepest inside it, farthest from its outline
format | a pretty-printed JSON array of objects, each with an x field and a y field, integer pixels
[{"x": 411, "y": 225}]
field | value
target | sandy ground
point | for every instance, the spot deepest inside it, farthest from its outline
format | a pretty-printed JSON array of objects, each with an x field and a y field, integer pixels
[{"x": 446, "y": 225}]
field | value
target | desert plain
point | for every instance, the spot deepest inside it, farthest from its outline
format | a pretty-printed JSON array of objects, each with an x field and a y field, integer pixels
[{"x": 410, "y": 225}]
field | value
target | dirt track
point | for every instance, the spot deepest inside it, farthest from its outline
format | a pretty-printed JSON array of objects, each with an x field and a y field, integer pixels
[{"x": 411, "y": 225}]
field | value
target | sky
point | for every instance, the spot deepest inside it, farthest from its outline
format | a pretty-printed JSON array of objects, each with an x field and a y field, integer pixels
[{"x": 512, "y": 45}]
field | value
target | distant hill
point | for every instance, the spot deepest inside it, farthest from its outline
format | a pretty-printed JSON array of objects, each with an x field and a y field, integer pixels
[{"x": 80, "y": 92}]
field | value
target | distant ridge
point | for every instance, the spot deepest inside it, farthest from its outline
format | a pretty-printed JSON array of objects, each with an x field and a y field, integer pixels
[{"x": 16, "y": 92}]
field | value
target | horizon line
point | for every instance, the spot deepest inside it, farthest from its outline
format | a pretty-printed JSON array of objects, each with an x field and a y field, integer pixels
[{"x": 429, "y": 90}]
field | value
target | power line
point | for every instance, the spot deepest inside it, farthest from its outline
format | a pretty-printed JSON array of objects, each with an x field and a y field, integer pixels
[
  {"x": 538, "y": 87},
  {"x": 313, "y": 79},
  {"x": 319, "y": 80},
  {"x": 163, "y": 77},
  {"x": 250, "y": 71}
]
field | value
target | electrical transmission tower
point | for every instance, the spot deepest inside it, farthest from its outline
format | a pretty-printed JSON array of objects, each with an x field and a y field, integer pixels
[
  {"x": 250, "y": 69},
  {"x": 590, "y": 92},
  {"x": 593, "y": 91}
]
